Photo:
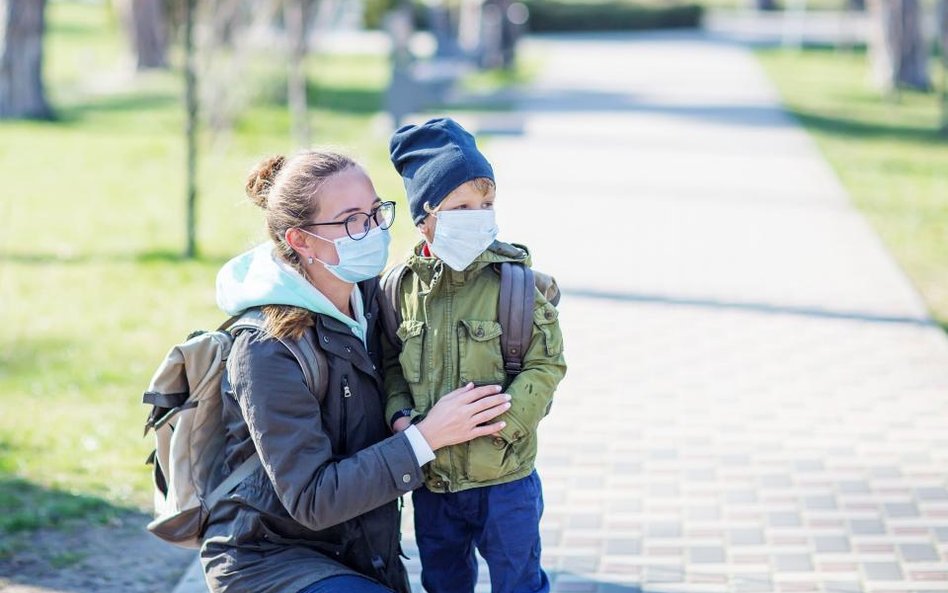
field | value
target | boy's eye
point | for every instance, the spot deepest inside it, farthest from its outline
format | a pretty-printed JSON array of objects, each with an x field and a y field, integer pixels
[{"x": 488, "y": 206}]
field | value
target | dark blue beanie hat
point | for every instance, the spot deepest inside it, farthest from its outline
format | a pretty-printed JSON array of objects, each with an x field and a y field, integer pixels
[{"x": 433, "y": 160}]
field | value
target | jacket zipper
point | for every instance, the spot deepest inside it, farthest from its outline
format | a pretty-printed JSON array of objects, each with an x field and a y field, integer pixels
[{"x": 346, "y": 394}]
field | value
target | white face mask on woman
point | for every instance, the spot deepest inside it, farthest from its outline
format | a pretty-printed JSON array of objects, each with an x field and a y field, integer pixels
[
  {"x": 358, "y": 260},
  {"x": 461, "y": 235}
]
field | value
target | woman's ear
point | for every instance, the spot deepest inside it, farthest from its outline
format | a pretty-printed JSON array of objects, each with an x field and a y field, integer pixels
[{"x": 298, "y": 240}]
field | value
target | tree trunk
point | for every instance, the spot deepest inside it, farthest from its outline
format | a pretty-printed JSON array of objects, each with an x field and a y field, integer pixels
[
  {"x": 190, "y": 131},
  {"x": 943, "y": 46},
  {"x": 898, "y": 50},
  {"x": 147, "y": 24},
  {"x": 294, "y": 15},
  {"x": 21, "y": 60}
]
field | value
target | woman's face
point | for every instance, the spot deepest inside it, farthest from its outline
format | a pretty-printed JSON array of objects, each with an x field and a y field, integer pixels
[
  {"x": 465, "y": 197},
  {"x": 340, "y": 196}
]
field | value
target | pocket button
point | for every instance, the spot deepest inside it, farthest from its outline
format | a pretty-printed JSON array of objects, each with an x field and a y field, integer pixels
[{"x": 499, "y": 442}]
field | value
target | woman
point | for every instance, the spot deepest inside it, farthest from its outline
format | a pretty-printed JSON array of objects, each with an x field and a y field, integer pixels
[{"x": 322, "y": 513}]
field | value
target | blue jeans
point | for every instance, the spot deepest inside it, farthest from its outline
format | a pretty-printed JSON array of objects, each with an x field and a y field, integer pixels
[
  {"x": 502, "y": 521},
  {"x": 346, "y": 583}
]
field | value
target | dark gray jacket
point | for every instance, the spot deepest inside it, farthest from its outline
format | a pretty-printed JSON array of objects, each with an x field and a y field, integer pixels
[{"x": 325, "y": 501}]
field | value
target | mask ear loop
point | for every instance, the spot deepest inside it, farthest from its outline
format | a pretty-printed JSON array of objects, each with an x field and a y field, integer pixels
[{"x": 311, "y": 260}]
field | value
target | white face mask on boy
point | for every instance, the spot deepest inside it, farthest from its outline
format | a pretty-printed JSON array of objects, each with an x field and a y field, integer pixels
[{"x": 461, "y": 235}]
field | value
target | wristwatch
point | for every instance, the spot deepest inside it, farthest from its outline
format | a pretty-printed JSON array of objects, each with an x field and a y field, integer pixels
[{"x": 403, "y": 413}]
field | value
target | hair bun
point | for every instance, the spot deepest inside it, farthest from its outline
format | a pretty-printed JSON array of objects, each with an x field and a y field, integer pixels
[{"x": 261, "y": 179}]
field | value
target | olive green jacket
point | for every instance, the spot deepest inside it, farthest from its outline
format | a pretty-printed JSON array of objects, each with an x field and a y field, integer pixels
[{"x": 450, "y": 336}]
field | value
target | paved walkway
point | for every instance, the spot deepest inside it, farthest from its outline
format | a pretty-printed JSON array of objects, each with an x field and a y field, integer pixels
[{"x": 756, "y": 400}]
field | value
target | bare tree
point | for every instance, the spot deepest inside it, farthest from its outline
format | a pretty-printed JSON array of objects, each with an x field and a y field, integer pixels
[
  {"x": 147, "y": 24},
  {"x": 898, "y": 50},
  {"x": 943, "y": 47},
  {"x": 22, "y": 95},
  {"x": 295, "y": 17},
  {"x": 191, "y": 106}
]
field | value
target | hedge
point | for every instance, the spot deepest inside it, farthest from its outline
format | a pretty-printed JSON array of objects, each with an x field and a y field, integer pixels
[
  {"x": 559, "y": 16},
  {"x": 552, "y": 16}
]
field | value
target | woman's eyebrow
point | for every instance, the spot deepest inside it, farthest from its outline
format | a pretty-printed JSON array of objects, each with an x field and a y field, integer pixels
[
  {"x": 346, "y": 211},
  {"x": 352, "y": 210}
]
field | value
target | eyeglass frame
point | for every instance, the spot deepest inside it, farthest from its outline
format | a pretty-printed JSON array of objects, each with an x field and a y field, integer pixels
[{"x": 371, "y": 215}]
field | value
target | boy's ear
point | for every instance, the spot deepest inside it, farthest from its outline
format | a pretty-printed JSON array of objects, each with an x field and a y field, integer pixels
[{"x": 426, "y": 227}]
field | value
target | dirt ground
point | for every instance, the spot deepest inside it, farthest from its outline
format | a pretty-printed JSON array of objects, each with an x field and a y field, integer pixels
[{"x": 82, "y": 558}]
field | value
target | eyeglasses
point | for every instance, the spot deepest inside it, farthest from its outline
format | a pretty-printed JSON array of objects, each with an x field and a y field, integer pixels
[{"x": 358, "y": 224}]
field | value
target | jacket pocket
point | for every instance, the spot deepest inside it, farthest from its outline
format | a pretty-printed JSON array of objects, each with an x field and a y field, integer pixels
[
  {"x": 545, "y": 320},
  {"x": 490, "y": 458},
  {"x": 412, "y": 335},
  {"x": 480, "y": 359}
]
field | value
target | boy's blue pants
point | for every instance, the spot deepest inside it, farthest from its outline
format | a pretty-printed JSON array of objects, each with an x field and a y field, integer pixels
[{"x": 502, "y": 521}]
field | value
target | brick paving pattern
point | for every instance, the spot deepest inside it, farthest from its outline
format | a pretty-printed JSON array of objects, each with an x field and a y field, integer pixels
[{"x": 756, "y": 400}]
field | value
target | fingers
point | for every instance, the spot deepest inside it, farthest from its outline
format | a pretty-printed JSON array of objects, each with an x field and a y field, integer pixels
[
  {"x": 491, "y": 401},
  {"x": 470, "y": 394},
  {"x": 490, "y": 413},
  {"x": 483, "y": 431}
]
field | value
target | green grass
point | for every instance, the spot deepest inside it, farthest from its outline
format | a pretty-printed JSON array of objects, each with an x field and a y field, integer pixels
[
  {"x": 888, "y": 154},
  {"x": 92, "y": 289}
]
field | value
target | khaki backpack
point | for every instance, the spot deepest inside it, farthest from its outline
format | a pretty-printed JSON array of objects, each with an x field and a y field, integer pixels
[{"x": 186, "y": 399}]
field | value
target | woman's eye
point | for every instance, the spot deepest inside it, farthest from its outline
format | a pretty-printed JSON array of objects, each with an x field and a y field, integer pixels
[{"x": 488, "y": 206}]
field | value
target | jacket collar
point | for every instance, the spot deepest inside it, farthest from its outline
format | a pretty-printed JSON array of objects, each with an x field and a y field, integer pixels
[{"x": 431, "y": 269}]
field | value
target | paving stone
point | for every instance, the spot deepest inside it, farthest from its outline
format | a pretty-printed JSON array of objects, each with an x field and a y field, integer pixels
[
  {"x": 898, "y": 509},
  {"x": 793, "y": 562},
  {"x": 930, "y": 493},
  {"x": 919, "y": 553},
  {"x": 784, "y": 519},
  {"x": 745, "y": 537},
  {"x": 866, "y": 527},
  {"x": 831, "y": 544},
  {"x": 882, "y": 571},
  {"x": 706, "y": 554}
]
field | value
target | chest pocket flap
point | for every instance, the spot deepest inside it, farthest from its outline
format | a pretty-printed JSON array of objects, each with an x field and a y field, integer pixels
[
  {"x": 479, "y": 354},
  {"x": 411, "y": 332},
  {"x": 481, "y": 331}
]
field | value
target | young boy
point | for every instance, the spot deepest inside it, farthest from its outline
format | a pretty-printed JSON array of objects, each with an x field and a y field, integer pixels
[{"x": 484, "y": 493}]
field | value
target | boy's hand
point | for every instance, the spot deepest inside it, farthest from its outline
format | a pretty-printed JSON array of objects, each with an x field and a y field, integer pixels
[{"x": 401, "y": 424}]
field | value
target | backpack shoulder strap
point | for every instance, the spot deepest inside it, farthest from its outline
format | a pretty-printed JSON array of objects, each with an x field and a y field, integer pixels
[
  {"x": 515, "y": 312},
  {"x": 313, "y": 362},
  {"x": 310, "y": 358},
  {"x": 390, "y": 303}
]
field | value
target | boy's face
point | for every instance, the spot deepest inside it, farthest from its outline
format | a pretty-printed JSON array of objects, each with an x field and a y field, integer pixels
[{"x": 464, "y": 197}]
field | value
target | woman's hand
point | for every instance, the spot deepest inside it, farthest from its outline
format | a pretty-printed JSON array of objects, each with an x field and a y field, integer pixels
[{"x": 459, "y": 416}]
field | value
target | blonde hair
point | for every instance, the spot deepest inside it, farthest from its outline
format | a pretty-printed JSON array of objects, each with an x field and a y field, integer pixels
[
  {"x": 287, "y": 190},
  {"x": 484, "y": 185}
]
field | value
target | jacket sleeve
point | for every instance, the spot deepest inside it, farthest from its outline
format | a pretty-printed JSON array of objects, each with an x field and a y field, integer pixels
[
  {"x": 285, "y": 423},
  {"x": 397, "y": 391},
  {"x": 544, "y": 367}
]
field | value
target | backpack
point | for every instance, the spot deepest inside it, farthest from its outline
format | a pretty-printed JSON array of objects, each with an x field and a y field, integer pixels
[
  {"x": 186, "y": 400},
  {"x": 514, "y": 306}
]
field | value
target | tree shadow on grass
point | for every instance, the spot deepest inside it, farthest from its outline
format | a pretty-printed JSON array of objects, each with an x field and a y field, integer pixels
[
  {"x": 345, "y": 100},
  {"x": 144, "y": 257},
  {"x": 57, "y": 540},
  {"x": 74, "y": 113},
  {"x": 857, "y": 130},
  {"x": 27, "y": 506},
  {"x": 353, "y": 100}
]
